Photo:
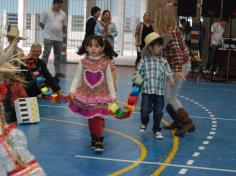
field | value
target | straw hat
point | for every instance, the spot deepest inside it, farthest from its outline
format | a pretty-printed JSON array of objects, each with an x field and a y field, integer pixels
[
  {"x": 14, "y": 32},
  {"x": 153, "y": 36}
]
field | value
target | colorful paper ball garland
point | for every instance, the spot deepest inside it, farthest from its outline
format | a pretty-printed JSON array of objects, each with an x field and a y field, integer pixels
[
  {"x": 53, "y": 97},
  {"x": 128, "y": 108}
]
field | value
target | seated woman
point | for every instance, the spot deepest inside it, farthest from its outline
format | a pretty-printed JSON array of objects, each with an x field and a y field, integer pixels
[{"x": 35, "y": 64}]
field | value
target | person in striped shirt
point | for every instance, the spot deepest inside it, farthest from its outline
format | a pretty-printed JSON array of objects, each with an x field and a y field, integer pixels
[{"x": 155, "y": 71}]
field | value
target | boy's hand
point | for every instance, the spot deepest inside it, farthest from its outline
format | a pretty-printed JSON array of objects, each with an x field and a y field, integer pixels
[{"x": 171, "y": 81}]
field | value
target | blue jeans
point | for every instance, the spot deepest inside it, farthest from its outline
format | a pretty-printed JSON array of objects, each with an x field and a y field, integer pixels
[
  {"x": 212, "y": 61},
  {"x": 155, "y": 104}
]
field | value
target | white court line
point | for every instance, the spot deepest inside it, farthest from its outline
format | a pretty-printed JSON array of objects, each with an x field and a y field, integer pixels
[
  {"x": 197, "y": 117},
  {"x": 196, "y": 154},
  {"x": 156, "y": 163},
  {"x": 183, "y": 171}
]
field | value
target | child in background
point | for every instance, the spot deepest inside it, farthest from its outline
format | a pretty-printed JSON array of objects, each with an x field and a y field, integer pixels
[
  {"x": 155, "y": 70},
  {"x": 92, "y": 88}
]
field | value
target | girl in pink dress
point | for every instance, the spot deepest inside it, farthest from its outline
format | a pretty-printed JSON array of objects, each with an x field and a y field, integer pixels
[{"x": 93, "y": 88}]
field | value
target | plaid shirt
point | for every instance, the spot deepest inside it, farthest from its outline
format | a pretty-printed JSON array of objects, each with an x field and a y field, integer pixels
[
  {"x": 176, "y": 51},
  {"x": 154, "y": 71}
]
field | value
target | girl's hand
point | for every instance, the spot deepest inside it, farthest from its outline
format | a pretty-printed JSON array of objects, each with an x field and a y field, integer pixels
[
  {"x": 72, "y": 95},
  {"x": 114, "y": 100}
]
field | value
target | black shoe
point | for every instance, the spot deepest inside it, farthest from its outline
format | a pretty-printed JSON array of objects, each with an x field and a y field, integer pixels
[
  {"x": 93, "y": 142},
  {"x": 57, "y": 80},
  {"x": 99, "y": 145},
  {"x": 58, "y": 75}
]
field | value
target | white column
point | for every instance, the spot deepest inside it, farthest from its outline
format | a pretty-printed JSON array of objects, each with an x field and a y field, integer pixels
[
  {"x": 122, "y": 16},
  {"x": 22, "y": 11},
  {"x": 89, "y": 5}
]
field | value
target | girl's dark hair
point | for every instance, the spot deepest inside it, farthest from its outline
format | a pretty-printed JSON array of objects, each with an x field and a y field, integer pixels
[
  {"x": 158, "y": 41},
  {"x": 108, "y": 49}
]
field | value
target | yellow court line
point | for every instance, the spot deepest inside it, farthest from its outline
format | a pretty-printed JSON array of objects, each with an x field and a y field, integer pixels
[
  {"x": 171, "y": 154},
  {"x": 142, "y": 156},
  {"x": 143, "y": 150}
]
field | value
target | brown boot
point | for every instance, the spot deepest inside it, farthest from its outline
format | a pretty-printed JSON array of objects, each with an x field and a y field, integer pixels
[
  {"x": 187, "y": 123},
  {"x": 173, "y": 115}
]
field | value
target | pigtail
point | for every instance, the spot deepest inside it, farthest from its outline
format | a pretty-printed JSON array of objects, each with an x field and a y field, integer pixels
[
  {"x": 82, "y": 49},
  {"x": 105, "y": 44},
  {"x": 109, "y": 50}
]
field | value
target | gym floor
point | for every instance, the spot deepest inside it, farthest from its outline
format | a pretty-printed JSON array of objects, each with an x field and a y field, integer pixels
[{"x": 61, "y": 140}]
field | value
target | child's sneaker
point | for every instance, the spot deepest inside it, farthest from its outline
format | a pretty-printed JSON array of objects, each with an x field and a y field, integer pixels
[
  {"x": 158, "y": 135},
  {"x": 142, "y": 128},
  {"x": 93, "y": 142},
  {"x": 99, "y": 145}
]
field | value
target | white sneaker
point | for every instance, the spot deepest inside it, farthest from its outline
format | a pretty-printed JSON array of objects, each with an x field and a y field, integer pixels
[
  {"x": 142, "y": 128},
  {"x": 158, "y": 135}
]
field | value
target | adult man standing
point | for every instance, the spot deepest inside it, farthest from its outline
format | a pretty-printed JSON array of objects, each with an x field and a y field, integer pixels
[
  {"x": 217, "y": 31},
  {"x": 54, "y": 24}
]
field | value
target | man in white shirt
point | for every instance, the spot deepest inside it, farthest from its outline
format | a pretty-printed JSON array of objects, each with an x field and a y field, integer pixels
[
  {"x": 217, "y": 31},
  {"x": 54, "y": 24}
]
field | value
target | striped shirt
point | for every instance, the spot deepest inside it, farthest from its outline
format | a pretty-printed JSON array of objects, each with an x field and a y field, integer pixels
[
  {"x": 154, "y": 71},
  {"x": 176, "y": 51}
]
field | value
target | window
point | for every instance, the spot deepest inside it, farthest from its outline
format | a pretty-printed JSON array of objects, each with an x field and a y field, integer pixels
[
  {"x": 28, "y": 21},
  {"x": 12, "y": 19},
  {"x": 128, "y": 24},
  {"x": 77, "y": 23}
]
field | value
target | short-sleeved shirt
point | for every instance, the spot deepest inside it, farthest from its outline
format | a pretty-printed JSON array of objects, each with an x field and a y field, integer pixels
[
  {"x": 54, "y": 23},
  {"x": 217, "y": 33}
]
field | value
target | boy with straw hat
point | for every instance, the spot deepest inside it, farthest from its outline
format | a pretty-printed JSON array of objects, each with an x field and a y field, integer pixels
[{"x": 154, "y": 70}]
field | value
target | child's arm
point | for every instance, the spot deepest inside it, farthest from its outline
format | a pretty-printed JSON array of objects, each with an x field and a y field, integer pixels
[
  {"x": 140, "y": 68},
  {"x": 77, "y": 78},
  {"x": 113, "y": 72},
  {"x": 110, "y": 83}
]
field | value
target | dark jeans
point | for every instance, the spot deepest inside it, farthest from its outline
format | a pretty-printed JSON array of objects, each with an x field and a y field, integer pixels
[
  {"x": 155, "y": 104},
  {"x": 212, "y": 61}
]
